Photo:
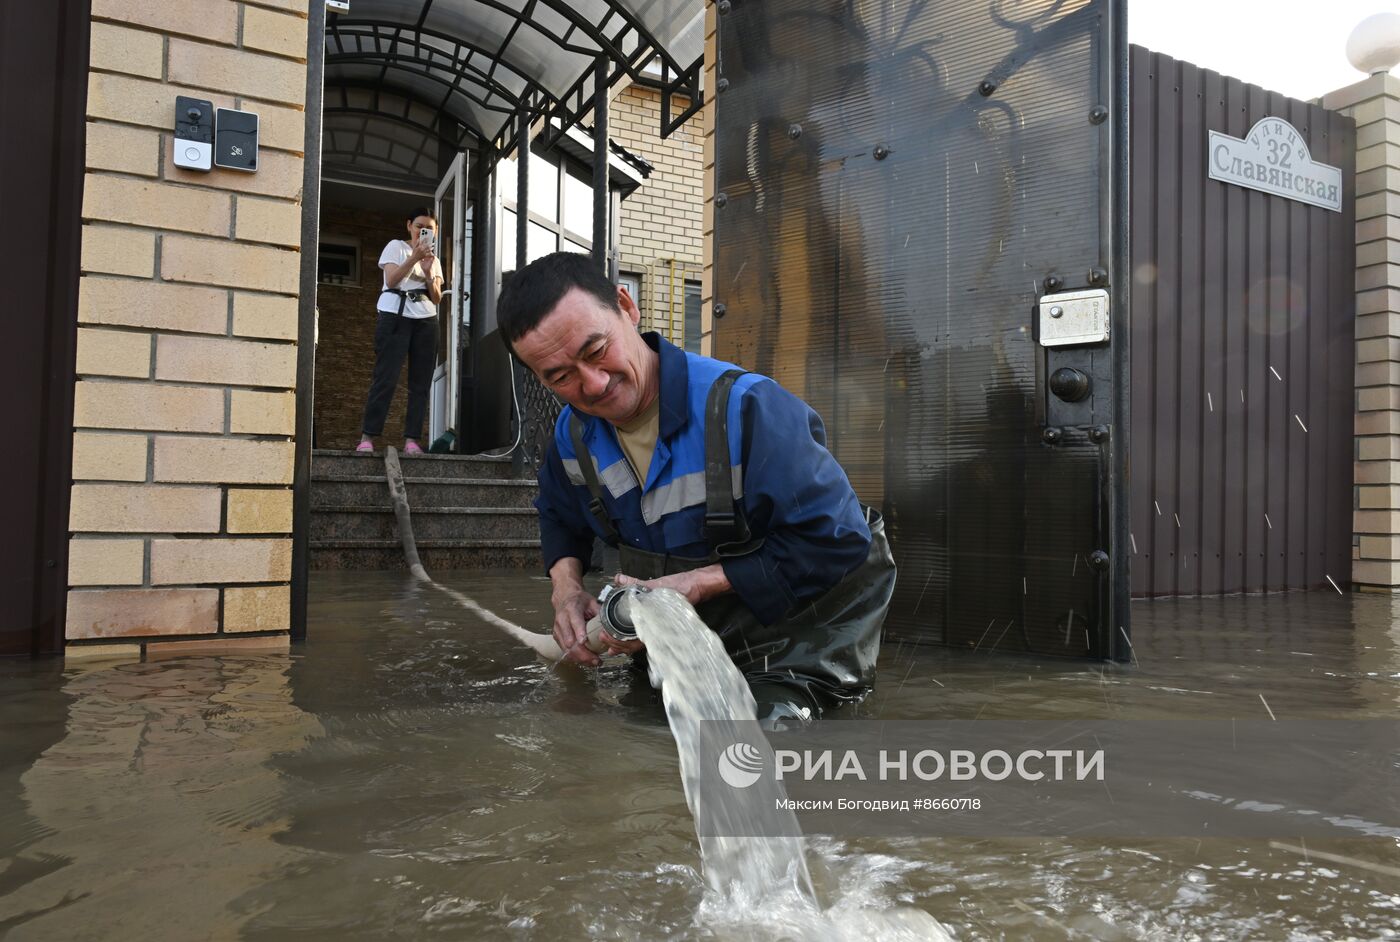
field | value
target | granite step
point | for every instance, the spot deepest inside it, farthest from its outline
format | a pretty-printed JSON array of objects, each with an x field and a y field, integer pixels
[
  {"x": 333, "y": 462},
  {"x": 437, "y": 555},
  {"x": 353, "y": 522},
  {"x": 370, "y": 490}
]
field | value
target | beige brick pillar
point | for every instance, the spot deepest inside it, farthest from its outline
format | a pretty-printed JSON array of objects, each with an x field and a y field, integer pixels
[
  {"x": 1375, "y": 106},
  {"x": 184, "y": 403}
]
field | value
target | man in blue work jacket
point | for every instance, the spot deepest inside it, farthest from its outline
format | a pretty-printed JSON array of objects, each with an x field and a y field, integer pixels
[{"x": 708, "y": 480}]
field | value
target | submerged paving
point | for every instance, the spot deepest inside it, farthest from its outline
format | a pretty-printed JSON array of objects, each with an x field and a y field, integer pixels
[{"x": 409, "y": 773}]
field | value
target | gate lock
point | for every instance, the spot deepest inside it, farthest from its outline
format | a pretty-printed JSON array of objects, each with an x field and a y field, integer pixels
[{"x": 1070, "y": 318}]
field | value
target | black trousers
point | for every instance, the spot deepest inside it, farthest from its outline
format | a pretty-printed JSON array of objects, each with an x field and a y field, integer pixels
[{"x": 397, "y": 338}]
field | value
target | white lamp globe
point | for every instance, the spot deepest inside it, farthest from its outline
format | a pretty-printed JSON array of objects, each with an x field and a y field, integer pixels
[{"x": 1374, "y": 46}]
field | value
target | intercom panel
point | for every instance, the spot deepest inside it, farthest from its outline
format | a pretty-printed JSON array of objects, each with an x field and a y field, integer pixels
[
  {"x": 194, "y": 133},
  {"x": 236, "y": 140}
]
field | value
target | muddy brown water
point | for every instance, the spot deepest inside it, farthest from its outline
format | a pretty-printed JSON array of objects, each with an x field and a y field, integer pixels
[{"x": 409, "y": 773}]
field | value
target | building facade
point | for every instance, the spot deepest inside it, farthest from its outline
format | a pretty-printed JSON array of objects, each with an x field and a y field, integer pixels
[
  {"x": 184, "y": 405},
  {"x": 188, "y": 326},
  {"x": 660, "y": 242}
]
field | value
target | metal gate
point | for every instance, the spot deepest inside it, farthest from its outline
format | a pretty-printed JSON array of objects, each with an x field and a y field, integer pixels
[
  {"x": 917, "y": 227},
  {"x": 1244, "y": 310},
  {"x": 43, "y": 96}
]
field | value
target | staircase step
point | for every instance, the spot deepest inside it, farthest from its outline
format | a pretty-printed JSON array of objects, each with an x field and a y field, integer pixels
[
  {"x": 429, "y": 523},
  {"x": 468, "y": 513},
  {"x": 436, "y": 555},
  {"x": 368, "y": 490},
  {"x": 333, "y": 462}
]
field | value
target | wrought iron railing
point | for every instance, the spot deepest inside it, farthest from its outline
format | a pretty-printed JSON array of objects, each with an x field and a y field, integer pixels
[{"x": 539, "y": 410}]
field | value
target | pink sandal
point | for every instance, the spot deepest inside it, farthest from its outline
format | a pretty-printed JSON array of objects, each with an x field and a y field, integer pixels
[
  {"x": 364, "y": 448},
  {"x": 410, "y": 447}
]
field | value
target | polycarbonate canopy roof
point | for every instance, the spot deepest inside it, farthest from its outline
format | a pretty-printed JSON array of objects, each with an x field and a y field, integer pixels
[
  {"x": 481, "y": 61},
  {"x": 379, "y": 132}
]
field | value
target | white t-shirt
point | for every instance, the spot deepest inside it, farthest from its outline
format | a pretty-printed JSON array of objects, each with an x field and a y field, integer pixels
[{"x": 396, "y": 253}]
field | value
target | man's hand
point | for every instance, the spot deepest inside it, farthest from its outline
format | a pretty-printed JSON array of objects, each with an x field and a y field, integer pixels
[
  {"x": 616, "y": 646},
  {"x": 696, "y": 585},
  {"x": 572, "y": 610}
]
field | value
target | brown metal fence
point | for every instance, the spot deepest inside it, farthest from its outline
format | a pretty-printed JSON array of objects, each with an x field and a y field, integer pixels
[{"x": 1242, "y": 348}]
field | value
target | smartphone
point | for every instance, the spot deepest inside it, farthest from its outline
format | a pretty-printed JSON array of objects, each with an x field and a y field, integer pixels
[{"x": 428, "y": 239}]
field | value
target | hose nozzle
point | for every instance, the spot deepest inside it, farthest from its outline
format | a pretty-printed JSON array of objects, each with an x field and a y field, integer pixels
[
  {"x": 614, "y": 616},
  {"x": 616, "y": 611}
]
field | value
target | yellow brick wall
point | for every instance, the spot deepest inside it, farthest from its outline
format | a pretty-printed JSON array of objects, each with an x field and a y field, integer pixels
[
  {"x": 659, "y": 229},
  {"x": 182, "y": 469}
]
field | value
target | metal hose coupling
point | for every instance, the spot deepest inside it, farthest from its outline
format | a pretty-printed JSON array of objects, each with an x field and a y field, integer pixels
[{"x": 616, "y": 611}]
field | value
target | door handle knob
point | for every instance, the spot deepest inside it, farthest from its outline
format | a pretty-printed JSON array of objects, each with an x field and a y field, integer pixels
[{"x": 1070, "y": 384}]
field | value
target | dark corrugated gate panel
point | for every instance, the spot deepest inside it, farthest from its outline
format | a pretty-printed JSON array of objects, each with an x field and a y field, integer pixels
[
  {"x": 42, "y": 149},
  {"x": 882, "y": 235},
  {"x": 1213, "y": 328},
  {"x": 1243, "y": 348}
]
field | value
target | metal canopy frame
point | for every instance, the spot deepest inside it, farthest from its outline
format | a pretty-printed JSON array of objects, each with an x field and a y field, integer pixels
[
  {"x": 486, "y": 85},
  {"x": 373, "y": 110}
]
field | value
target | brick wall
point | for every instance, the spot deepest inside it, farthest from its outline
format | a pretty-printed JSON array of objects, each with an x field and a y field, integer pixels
[
  {"x": 184, "y": 408},
  {"x": 1374, "y": 104},
  {"x": 345, "y": 348},
  {"x": 659, "y": 232}
]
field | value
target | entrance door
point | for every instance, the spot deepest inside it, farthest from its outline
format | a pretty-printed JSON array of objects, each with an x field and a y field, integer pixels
[
  {"x": 917, "y": 228},
  {"x": 450, "y": 207}
]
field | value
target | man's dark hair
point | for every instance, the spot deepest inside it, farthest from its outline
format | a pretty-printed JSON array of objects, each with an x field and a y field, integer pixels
[
  {"x": 421, "y": 211},
  {"x": 531, "y": 293}
]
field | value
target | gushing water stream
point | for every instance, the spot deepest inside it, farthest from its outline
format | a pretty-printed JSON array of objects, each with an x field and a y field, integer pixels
[
  {"x": 699, "y": 683},
  {"x": 757, "y": 887}
]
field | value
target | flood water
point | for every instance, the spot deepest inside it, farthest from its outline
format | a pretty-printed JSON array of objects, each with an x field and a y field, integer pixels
[{"x": 410, "y": 773}]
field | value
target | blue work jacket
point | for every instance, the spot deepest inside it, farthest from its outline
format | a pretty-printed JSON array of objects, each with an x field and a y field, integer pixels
[{"x": 794, "y": 494}]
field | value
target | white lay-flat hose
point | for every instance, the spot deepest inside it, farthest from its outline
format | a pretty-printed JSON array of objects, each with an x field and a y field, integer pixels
[{"x": 541, "y": 643}]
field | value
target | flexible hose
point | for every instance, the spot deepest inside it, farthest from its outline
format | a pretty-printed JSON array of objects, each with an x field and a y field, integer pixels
[{"x": 542, "y": 644}]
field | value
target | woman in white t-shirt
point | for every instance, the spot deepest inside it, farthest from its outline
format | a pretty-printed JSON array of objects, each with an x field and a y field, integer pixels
[{"x": 407, "y": 328}]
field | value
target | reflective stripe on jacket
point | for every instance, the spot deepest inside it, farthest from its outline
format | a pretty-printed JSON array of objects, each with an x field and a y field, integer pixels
[{"x": 794, "y": 493}]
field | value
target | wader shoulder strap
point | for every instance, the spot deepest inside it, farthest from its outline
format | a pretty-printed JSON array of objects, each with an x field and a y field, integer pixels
[
  {"x": 590, "y": 478},
  {"x": 726, "y": 528}
]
